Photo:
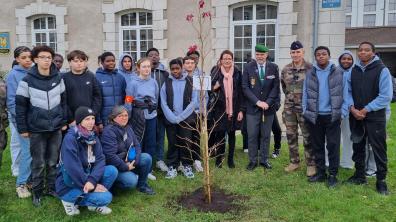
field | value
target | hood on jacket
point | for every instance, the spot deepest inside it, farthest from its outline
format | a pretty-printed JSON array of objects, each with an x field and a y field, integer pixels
[
  {"x": 183, "y": 76},
  {"x": 34, "y": 72},
  {"x": 121, "y": 67},
  {"x": 348, "y": 53},
  {"x": 328, "y": 67},
  {"x": 360, "y": 65}
]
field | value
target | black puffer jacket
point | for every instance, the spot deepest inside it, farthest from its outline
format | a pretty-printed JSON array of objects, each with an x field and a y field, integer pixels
[{"x": 41, "y": 102}]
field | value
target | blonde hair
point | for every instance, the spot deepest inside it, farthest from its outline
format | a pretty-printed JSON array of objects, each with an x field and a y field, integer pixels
[{"x": 139, "y": 62}]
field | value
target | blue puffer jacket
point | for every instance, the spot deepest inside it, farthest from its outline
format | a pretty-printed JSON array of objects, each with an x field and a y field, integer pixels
[
  {"x": 116, "y": 141},
  {"x": 112, "y": 85}
]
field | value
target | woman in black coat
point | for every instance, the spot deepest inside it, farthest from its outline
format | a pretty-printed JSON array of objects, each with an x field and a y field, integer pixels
[{"x": 225, "y": 107}]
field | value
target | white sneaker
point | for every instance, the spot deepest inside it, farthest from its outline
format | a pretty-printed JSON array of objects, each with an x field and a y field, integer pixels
[
  {"x": 162, "y": 166},
  {"x": 150, "y": 176},
  {"x": 245, "y": 150},
  {"x": 70, "y": 208},
  {"x": 198, "y": 166},
  {"x": 187, "y": 171},
  {"x": 102, "y": 210},
  {"x": 172, "y": 173},
  {"x": 23, "y": 192}
]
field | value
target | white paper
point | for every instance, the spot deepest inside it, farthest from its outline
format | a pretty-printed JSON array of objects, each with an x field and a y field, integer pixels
[{"x": 206, "y": 82}]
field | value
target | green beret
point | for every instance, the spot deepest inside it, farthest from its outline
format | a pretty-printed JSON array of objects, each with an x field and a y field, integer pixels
[{"x": 261, "y": 48}]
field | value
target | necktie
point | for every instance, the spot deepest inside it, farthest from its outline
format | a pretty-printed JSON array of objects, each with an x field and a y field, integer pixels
[{"x": 262, "y": 74}]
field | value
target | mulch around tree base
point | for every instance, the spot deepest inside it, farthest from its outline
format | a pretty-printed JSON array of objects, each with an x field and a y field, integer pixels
[{"x": 221, "y": 201}]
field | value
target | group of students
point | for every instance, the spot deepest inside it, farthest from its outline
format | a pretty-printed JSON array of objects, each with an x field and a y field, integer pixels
[{"x": 77, "y": 135}]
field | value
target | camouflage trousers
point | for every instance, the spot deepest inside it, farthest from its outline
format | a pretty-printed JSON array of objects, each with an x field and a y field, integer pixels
[
  {"x": 292, "y": 120},
  {"x": 3, "y": 144}
]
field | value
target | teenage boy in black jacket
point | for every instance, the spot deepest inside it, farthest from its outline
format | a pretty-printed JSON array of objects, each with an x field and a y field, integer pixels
[
  {"x": 82, "y": 88},
  {"x": 41, "y": 113}
]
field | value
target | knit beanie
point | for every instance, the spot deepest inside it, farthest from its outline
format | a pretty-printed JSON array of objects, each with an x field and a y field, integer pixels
[{"x": 81, "y": 113}]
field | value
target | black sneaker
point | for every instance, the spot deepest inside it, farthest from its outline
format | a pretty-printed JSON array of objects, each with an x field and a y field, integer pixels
[
  {"x": 146, "y": 190},
  {"x": 251, "y": 166},
  {"x": 36, "y": 199},
  {"x": 356, "y": 180},
  {"x": 266, "y": 165},
  {"x": 275, "y": 153},
  {"x": 317, "y": 178},
  {"x": 382, "y": 188},
  {"x": 332, "y": 181}
]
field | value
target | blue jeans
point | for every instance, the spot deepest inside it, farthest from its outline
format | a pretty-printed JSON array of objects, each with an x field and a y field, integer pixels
[
  {"x": 94, "y": 199},
  {"x": 150, "y": 137},
  {"x": 160, "y": 138},
  {"x": 15, "y": 148},
  {"x": 25, "y": 161},
  {"x": 129, "y": 180}
]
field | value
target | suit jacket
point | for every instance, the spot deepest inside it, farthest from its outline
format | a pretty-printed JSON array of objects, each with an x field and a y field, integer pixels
[{"x": 255, "y": 91}]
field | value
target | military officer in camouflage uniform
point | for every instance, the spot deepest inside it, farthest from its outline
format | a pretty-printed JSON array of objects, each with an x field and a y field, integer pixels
[
  {"x": 3, "y": 118},
  {"x": 292, "y": 80}
]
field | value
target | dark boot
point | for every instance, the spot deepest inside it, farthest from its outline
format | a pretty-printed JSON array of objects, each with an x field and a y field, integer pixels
[
  {"x": 36, "y": 198},
  {"x": 219, "y": 161},
  {"x": 357, "y": 179},
  {"x": 230, "y": 159},
  {"x": 382, "y": 188}
]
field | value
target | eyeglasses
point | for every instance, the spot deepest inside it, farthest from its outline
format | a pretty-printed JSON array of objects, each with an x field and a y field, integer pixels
[{"x": 45, "y": 58}]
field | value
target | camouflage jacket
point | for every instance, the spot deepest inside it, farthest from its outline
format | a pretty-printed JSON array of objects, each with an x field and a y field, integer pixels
[
  {"x": 3, "y": 109},
  {"x": 292, "y": 81}
]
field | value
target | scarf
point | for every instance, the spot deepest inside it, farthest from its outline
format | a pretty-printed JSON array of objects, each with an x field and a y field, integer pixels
[
  {"x": 85, "y": 135},
  {"x": 228, "y": 88}
]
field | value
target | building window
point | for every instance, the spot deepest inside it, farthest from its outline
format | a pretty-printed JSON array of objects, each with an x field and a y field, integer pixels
[
  {"x": 348, "y": 13},
  {"x": 136, "y": 33},
  {"x": 391, "y": 13},
  {"x": 44, "y": 32},
  {"x": 250, "y": 25},
  {"x": 359, "y": 13}
]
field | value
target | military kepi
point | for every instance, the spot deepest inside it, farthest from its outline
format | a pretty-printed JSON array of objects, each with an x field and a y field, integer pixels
[
  {"x": 261, "y": 48},
  {"x": 296, "y": 45}
]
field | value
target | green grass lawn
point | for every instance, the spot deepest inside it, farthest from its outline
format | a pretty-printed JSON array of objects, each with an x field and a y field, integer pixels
[{"x": 273, "y": 196}]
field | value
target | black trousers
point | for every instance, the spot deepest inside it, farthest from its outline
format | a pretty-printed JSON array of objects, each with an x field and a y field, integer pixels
[
  {"x": 244, "y": 132},
  {"x": 179, "y": 147},
  {"x": 44, "y": 149},
  {"x": 375, "y": 131},
  {"x": 218, "y": 137},
  {"x": 277, "y": 131},
  {"x": 330, "y": 132}
]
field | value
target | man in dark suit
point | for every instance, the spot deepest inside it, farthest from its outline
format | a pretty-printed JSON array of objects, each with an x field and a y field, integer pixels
[{"x": 260, "y": 83}]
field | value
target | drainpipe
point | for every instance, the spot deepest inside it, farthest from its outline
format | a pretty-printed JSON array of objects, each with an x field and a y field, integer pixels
[{"x": 315, "y": 25}]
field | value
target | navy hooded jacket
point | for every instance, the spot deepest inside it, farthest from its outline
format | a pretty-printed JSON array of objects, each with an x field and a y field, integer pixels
[
  {"x": 116, "y": 141},
  {"x": 74, "y": 156}
]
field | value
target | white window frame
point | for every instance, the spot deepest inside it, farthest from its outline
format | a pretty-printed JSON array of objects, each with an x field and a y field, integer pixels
[
  {"x": 382, "y": 11},
  {"x": 46, "y": 31},
  {"x": 387, "y": 12},
  {"x": 254, "y": 22},
  {"x": 351, "y": 13},
  {"x": 136, "y": 27}
]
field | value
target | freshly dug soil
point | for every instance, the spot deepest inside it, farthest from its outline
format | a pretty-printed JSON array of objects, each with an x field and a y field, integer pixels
[{"x": 221, "y": 201}]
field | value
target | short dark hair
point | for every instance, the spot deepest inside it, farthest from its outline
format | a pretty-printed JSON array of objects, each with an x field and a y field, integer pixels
[
  {"x": 175, "y": 62},
  {"x": 104, "y": 55},
  {"x": 152, "y": 49},
  {"x": 368, "y": 43},
  {"x": 187, "y": 58},
  {"x": 189, "y": 53},
  {"x": 322, "y": 48},
  {"x": 78, "y": 54},
  {"x": 42, "y": 48},
  {"x": 58, "y": 55}
]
